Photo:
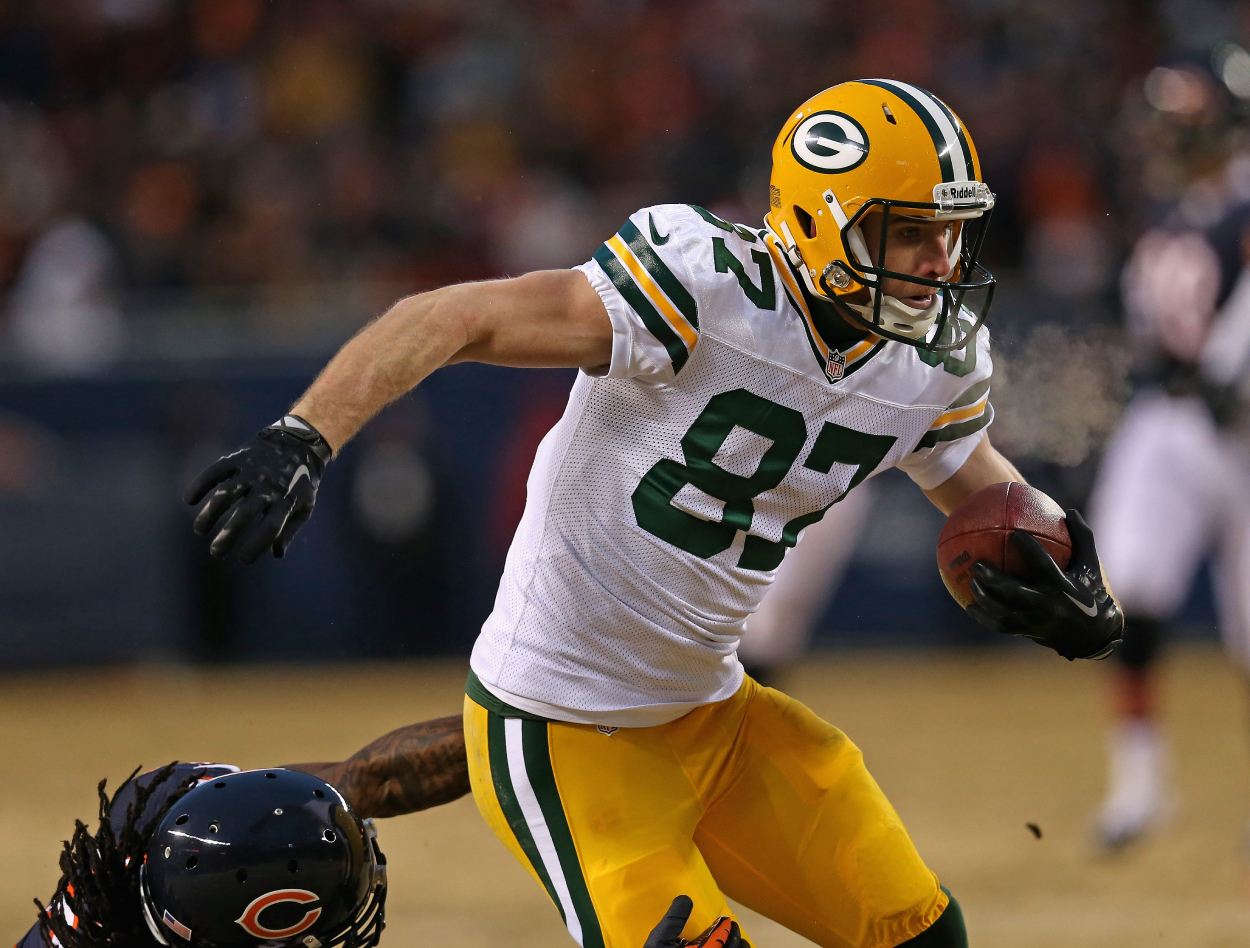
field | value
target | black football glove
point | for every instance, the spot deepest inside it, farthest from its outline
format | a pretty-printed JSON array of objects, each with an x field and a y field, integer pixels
[
  {"x": 1071, "y": 610},
  {"x": 264, "y": 492},
  {"x": 722, "y": 933}
]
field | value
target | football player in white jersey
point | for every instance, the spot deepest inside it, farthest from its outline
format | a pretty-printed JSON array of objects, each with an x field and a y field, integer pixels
[
  {"x": 1174, "y": 485},
  {"x": 735, "y": 384}
]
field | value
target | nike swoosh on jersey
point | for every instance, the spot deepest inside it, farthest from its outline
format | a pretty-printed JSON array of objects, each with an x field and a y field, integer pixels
[
  {"x": 655, "y": 234},
  {"x": 1090, "y": 611},
  {"x": 301, "y": 471}
]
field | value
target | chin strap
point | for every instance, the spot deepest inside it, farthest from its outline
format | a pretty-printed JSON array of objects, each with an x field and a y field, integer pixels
[
  {"x": 896, "y": 316},
  {"x": 899, "y": 318}
]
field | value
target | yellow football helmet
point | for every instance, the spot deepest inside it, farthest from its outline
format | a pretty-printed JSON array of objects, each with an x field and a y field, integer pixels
[{"x": 887, "y": 146}]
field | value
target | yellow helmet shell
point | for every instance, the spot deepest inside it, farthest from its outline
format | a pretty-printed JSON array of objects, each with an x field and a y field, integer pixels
[{"x": 864, "y": 140}]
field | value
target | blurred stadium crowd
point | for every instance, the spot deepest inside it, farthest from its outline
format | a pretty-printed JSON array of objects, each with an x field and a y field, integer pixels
[
  {"x": 199, "y": 199},
  {"x": 297, "y": 158}
]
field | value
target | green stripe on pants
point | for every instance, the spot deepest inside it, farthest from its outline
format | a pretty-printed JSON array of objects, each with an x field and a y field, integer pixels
[
  {"x": 543, "y": 781},
  {"x": 497, "y": 748}
]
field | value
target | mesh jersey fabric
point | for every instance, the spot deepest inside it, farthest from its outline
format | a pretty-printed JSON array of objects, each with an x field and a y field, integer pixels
[
  {"x": 117, "y": 814},
  {"x": 628, "y": 584}
]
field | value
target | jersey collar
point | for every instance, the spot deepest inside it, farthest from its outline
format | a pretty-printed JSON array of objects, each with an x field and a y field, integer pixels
[{"x": 839, "y": 348}]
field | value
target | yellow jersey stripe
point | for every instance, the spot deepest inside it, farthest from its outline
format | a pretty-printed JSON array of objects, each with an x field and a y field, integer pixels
[
  {"x": 962, "y": 414},
  {"x": 861, "y": 348},
  {"x": 653, "y": 291},
  {"x": 796, "y": 294},
  {"x": 857, "y": 351}
]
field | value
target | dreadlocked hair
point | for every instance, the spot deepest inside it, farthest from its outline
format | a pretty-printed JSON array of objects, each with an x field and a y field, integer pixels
[{"x": 100, "y": 874}]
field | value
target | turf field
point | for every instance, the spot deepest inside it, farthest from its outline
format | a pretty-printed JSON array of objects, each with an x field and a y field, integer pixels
[{"x": 970, "y": 748}]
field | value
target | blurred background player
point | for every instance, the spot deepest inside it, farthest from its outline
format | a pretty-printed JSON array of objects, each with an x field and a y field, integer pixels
[
  {"x": 258, "y": 847},
  {"x": 1174, "y": 483}
]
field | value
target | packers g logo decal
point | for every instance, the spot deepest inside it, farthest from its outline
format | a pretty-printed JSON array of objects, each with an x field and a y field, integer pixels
[
  {"x": 830, "y": 142},
  {"x": 250, "y": 919}
]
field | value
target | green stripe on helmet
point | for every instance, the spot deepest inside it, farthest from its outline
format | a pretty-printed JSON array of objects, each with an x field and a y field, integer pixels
[
  {"x": 959, "y": 133},
  {"x": 935, "y": 132}
]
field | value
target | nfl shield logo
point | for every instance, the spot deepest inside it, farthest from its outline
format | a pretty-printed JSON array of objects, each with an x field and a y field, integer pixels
[{"x": 835, "y": 365}]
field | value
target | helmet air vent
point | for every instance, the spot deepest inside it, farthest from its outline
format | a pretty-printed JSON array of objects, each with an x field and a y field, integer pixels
[
  {"x": 319, "y": 795},
  {"x": 182, "y": 819},
  {"x": 889, "y": 116},
  {"x": 272, "y": 776},
  {"x": 241, "y": 875},
  {"x": 191, "y": 863},
  {"x": 806, "y": 222},
  {"x": 292, "y": 866},
  {"x": 329, "y": 836},
  {"x": 214, "y": 827},
  {"x": 219, "y": 785}
]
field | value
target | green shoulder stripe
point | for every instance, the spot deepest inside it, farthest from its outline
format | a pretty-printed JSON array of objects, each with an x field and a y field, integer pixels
[
  {"x": 957, "y": 431},
  {"x": 972, "y": 396},
  {"x": 662, "y": 275},
  {"x": 634, "y": 296}
]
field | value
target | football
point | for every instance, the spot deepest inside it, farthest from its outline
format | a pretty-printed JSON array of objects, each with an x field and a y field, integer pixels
[{"x": 980, "y": 529}]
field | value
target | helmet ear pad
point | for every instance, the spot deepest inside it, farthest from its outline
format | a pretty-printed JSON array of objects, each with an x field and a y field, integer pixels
[{"x": 818, "y": 241}]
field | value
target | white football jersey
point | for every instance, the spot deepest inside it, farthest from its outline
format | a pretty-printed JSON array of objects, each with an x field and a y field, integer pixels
[{"x": 662, "y": 502}]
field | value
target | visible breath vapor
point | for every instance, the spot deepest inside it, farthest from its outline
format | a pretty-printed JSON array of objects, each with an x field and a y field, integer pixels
[{"x": 1056, "y": 395}]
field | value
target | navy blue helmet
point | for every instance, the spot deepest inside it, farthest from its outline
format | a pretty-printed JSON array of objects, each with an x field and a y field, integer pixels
[{"x": 264, "y": 857}]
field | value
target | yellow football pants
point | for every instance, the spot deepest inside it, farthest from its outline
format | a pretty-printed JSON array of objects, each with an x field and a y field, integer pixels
[{"x": 754, "y": 797}]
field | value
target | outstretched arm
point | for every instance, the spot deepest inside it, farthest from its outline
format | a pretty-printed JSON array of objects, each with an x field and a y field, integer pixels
[
  {"x": 258, "y": 497},
  {"x": 411, "y": 768},
  {"x": 551, "y": 318}
]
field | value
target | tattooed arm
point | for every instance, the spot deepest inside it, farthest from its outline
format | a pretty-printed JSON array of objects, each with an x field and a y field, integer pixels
[{"x": 412, "y": 768}]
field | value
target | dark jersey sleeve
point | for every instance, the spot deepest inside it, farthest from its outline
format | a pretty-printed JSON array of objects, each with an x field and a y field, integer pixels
[
  {"x": 32, "y": 939},
  {"x": 123, "y": 800}
]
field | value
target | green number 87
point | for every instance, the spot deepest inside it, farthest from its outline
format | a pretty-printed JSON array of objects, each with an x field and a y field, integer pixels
[{"x": 652, "y": 499}]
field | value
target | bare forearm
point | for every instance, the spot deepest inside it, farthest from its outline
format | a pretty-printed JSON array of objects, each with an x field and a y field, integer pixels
[
  {"x": 411, "y": 768},
  {"x": 548, "y": 318},
  {"x": 382, "y": 362},
  {"x": 985, "y": 466}
]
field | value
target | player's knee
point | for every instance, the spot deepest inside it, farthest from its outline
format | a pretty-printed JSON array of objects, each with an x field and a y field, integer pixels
[
  {"x": 947, "y": 932},
  {"x": 1142, "y": 639}
]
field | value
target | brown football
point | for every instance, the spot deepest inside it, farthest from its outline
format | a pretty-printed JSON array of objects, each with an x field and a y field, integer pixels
[{"x": 980, "y": 529}]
